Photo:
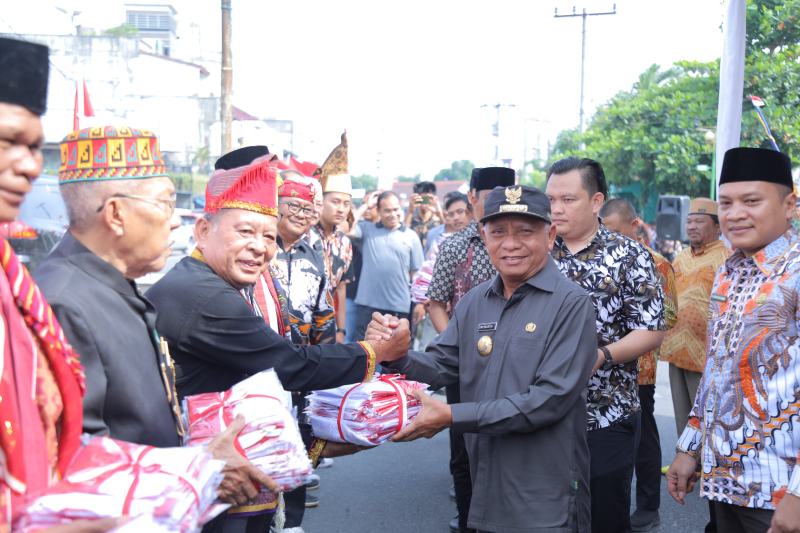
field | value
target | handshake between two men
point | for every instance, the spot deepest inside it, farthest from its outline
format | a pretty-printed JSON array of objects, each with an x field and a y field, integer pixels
[{"x": 386, "y": 329}]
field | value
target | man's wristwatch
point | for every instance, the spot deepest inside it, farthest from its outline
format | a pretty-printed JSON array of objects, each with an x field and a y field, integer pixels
[
  {"x": 607, "y": 355},
  {"x": 342, "y": 331}
]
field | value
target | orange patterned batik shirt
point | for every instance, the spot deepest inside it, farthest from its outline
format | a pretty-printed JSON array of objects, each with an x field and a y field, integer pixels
[
  {"x": 685, "y": 344},
  {"x": 647, "y": 362},
  {"x": 743, "y": 426}
]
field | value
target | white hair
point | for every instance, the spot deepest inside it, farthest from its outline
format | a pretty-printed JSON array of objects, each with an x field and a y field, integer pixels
[{"x": 84, "y": 198}]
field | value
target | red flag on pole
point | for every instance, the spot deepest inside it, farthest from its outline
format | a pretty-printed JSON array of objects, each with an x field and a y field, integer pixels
[
  {"x": 88, "y": 111},
  {"x": 76, "y": 123}
]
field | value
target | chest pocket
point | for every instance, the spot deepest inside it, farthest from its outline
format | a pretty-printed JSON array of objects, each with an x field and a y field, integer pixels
[{"x": 523, "y": 357}]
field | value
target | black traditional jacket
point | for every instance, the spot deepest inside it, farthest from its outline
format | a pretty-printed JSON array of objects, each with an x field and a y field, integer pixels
[{"x": 130, "y": 393}]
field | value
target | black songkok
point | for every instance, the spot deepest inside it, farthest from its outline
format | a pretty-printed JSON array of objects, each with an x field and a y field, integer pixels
[
  {"x": 756, "y": 164},
  {"x": 490, "y": 177},
  {"x": 25, "y": 68},
  {"x": 240, "y": 157}
]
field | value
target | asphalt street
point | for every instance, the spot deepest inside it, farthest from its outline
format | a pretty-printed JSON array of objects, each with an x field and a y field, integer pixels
[{"x": 402, "y": 488}]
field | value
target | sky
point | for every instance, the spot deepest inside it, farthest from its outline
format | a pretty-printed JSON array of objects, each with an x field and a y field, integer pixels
[
  {"x": 415, "y": 83},
  {"x": 408, "y": 80}
]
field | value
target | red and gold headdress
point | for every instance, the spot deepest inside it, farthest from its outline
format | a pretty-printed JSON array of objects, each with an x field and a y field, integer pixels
[
  {"x": 110, "y": 153},
  {"x": 253, "y": 188},
  {"x": 296, "y": 189}
]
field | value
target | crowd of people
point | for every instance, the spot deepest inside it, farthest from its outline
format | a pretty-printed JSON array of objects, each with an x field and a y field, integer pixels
[{"x": 542, "y": 313}]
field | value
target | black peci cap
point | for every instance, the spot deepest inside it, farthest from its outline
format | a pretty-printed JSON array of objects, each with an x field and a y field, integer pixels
[
  {"x": 486, "y": 179},
  {"x": 756, "y": 164},
  {"x": 25, "y": 67},
  {"x": 519, "y": 200},
  {"x": 240, "y": 157}
]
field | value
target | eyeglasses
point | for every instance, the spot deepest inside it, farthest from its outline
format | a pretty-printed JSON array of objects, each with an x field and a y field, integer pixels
[
  {"x": 297, "y": 208},
  {"x": 168, "y": 206},
  {"x": 455, "y": 213}
]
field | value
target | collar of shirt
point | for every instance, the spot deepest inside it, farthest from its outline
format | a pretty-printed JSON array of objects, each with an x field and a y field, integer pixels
[
  {"x": 301, "y": 244},
  {"x": 595, "y": 244},
  {"x": 706, "y": 247},
  {"x": 767, "y": 258},
  {"x": 544, "y": 280},
  {"x": 102, "y": 271},
  {"x": 471, "y": 231},
  {"x": 400, "y": 227}
]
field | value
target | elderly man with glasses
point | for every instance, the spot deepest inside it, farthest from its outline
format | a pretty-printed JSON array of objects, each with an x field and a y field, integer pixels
[{"x": 121, "y": 208}]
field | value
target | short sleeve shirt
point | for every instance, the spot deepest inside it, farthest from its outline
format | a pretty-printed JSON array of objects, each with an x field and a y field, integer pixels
[
  {"x": 462, "y": 263},
  {"x": 301, "y": 273},
  {"x": 620, "y": 276},
  {"x": 337, "y": 253},
  {"x": 389, "y": 257}
]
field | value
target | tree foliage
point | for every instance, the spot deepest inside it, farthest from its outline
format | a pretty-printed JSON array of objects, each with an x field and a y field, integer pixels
[
  {"x": 657, "y": 133},
  {"x": 364, "y": 181},
  {"x": 459, "y": 170}
]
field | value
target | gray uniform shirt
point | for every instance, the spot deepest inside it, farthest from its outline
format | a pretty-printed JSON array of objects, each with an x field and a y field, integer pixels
[
  {"x": 523, "y": 406},
  {"x": 388, "y": 258}
]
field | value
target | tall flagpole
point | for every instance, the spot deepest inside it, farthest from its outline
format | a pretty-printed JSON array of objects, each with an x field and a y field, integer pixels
[{"x": 731, "y": 83}]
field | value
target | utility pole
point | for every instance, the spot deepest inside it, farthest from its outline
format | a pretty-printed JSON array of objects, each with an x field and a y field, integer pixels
[
  {"x": 226, "y": 108},
  {"x": 496, "y": 128},
  {"x": 583, "y": 14}
]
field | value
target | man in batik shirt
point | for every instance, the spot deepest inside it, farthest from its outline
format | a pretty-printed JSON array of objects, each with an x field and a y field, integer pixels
[
  {"x": 463, "y": 263},
  {"x": 620, "y": 276},
  {"x": 333, "y": 245},
  {"x": 743, "y": 432},
  {"x": 300, "y": 270},
  {"x": 695, "y": 267},
  {"x": 684, "y": 346},
  {"x": 620, "y": 216}
]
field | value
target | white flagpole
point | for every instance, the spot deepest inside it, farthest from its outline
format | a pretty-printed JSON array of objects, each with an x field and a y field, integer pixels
[{"x": 731, "y": 82}]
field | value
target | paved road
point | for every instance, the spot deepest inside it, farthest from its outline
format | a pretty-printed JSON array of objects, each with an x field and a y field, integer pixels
[{"x": 402, "y": 488}]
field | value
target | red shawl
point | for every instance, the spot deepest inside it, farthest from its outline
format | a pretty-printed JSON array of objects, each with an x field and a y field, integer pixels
[{"x": 25, "y": 313}]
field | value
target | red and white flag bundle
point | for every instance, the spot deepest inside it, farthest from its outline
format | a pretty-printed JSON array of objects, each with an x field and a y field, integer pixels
[
  {"x": 175, "y": 488},
  {"x": 270, "y": 439},
  {"x": 365, "y": 414}
]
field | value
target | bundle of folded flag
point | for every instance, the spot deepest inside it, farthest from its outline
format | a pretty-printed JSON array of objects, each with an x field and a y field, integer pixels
[
  {"x": 175, "y": 488},
  {"x": 270, "y": 438},
  {"x": 365, "y": 414}
]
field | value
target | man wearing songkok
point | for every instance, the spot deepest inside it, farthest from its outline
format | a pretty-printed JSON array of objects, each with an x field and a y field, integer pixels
[
  {"x": 326, "y": 237},
  {"x": 620, "y": 276},
  {"x": 520, "y": 347},
  {"x": 42, "y": 381},
  {"x": 207, "y": 310},
  {"x": 684, "y": 346},
  {"x": 463, "y": 263},
  {"x": 620, "y": 216},
  {"x": 743, "y": 433}
]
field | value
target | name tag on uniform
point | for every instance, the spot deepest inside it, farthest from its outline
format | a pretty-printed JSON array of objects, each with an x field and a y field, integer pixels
[
  {"x": 487, "y": 326},
  {"x": 719, "y": 297}
]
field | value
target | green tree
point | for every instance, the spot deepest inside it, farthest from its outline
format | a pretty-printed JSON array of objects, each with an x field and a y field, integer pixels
[
  {"x": 458, "y": 171},
  {"x": 123, "y": 30},
  {"x": 656, "y": 133},
  {"x": 364, "y": 181}
]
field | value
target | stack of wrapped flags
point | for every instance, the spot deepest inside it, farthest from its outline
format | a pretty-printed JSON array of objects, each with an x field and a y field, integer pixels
[
  {"x": 175, "y": 488},
  {"x": 270, "y": 439},
  {"x": 365, "y": 414}
]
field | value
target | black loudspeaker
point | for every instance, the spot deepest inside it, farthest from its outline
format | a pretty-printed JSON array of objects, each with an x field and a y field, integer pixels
[{"x": 671, "y": 217}]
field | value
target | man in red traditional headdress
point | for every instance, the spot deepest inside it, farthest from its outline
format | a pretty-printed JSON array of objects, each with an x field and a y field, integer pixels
[{"x": 208, "y": 313}]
